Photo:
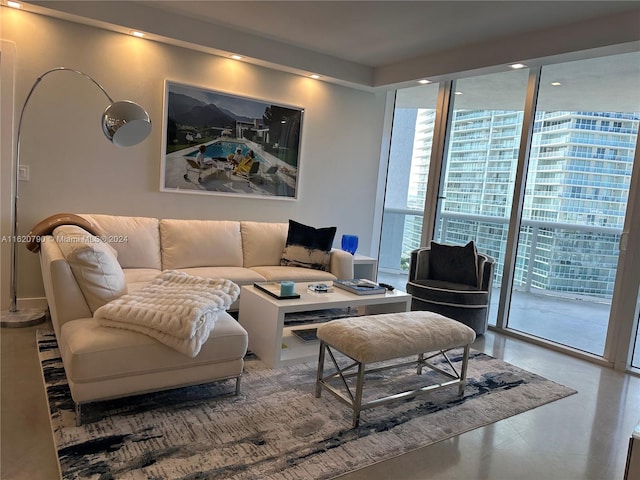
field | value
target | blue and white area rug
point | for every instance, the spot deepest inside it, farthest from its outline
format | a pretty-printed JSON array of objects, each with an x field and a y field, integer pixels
[{"x": 276, "y": 428}]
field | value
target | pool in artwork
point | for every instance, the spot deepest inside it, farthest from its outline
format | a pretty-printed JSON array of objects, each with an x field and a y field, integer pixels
[{"x": 223, "y": 150}]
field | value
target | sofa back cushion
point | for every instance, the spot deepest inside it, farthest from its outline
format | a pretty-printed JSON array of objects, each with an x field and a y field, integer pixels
[
  {"x": 263, "y": 243},
  {"x": 200, "y": 243},
  {"x": 136, "y": 239},
  {"x": 94, "y": 265}
]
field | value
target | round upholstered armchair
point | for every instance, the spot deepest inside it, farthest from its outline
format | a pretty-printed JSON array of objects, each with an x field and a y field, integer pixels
[{"x": 454, "y": 281}]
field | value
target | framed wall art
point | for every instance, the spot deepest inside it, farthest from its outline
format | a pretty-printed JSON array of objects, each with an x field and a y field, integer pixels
[{"x": 222, "y": 144}]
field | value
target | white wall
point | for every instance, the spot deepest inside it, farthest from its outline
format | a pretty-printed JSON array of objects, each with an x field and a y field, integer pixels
[{"x": 74, "y": 169}]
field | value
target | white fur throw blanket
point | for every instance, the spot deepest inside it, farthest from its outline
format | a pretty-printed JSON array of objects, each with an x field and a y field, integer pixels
[{"x": 177, "y": 309}]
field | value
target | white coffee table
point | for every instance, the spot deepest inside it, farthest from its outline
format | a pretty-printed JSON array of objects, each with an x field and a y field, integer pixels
[{"x": 263, "y": 317}]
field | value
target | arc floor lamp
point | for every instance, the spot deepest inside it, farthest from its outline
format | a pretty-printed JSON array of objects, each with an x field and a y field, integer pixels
[{"x": 124, "y": 123}]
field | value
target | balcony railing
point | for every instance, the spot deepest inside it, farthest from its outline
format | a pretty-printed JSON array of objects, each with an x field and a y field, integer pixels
[{"x": 568, "y": 257}]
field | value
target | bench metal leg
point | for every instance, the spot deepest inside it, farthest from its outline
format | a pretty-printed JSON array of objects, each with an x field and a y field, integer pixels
[
  {"x": 357, "y": 404},
  {"x": 463, "y": 370},
  {"x": 320, "y": 371}
]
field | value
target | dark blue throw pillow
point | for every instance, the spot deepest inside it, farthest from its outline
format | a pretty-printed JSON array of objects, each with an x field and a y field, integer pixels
[{"x": 308, "y": 247}]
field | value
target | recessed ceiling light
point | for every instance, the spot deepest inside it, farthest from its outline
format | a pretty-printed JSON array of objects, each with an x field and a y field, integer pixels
[
  {"x": 236, "y": 57},
  {"x": 517, "y": 66},
  {"x": 135, "y": 33},
  {"x": 424, "y": 81},
  {"x": 457, "y": 93},
  {"x": 14, "y": 4},
  {"x": 314, "y": 76},
  {"x": 556, "y": 84}
]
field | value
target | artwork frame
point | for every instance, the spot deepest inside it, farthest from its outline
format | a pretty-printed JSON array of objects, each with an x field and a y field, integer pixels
[{"x": 220, "y": 143}]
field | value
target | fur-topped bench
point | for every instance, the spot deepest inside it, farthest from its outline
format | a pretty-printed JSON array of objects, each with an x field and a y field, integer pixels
[{"x": 377, "y": 338}]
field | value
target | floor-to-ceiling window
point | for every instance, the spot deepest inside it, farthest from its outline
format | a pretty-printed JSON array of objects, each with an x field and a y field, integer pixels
[
  {"x": 480, "y": 165},
  {"x": 407, "y": 176},
  {"x": 576, "y": 198},
  {"x": 574, "y": 185}
]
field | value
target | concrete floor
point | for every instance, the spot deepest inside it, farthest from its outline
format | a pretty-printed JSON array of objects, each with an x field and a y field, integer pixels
[{"x": 584, "y": 436}]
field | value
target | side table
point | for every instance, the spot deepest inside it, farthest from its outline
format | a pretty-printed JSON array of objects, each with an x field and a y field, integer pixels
[{"x": 365, "y": 267}]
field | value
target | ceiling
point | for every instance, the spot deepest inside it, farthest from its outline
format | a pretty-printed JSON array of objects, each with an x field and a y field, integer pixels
[
  {"x": 371, "y": 44},
  {"x": 603, "y": 84},
  {"x": 378, "y": 33}
]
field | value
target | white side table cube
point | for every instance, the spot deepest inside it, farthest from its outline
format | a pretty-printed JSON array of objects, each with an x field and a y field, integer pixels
[{"x": 365, "y": 267}]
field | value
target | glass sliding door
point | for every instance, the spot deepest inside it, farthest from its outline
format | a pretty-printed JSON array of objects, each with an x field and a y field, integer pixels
[
  {"x": 478, "y": 177},
  {"x": 585, "y": 131},
  {"x": 635, "y": 359},
  {"x": 407, "y": 175}
]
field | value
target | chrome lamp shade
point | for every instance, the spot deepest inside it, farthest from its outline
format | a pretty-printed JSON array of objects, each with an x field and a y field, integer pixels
[{"x": 125, "y": 124}]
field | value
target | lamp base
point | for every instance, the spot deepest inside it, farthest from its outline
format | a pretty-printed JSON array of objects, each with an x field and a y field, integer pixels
[{"x": 26, "y": 317}]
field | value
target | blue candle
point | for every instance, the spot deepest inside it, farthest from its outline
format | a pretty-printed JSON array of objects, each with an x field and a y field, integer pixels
[{"x": 286, "y": 288}]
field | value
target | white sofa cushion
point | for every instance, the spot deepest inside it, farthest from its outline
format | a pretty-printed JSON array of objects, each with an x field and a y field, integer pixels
[
  {"x": 200, "y": 243},
  {"x": 297, "y": 274},
  {"x": 93, "y": 353},
  {"x": 140, "y": 275},
  {"x": 238, "y": 275},
  {"x": 94, "y": 265},
  {"x": 136, "y": 239},
  {"x": 263, "y": 243}
]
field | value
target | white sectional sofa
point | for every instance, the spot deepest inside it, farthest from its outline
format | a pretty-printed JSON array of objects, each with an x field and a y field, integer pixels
[{"x": 102, "y": 362}]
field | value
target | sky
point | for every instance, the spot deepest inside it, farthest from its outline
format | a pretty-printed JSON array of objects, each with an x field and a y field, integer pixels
[{"x": 240, "y": 106}]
